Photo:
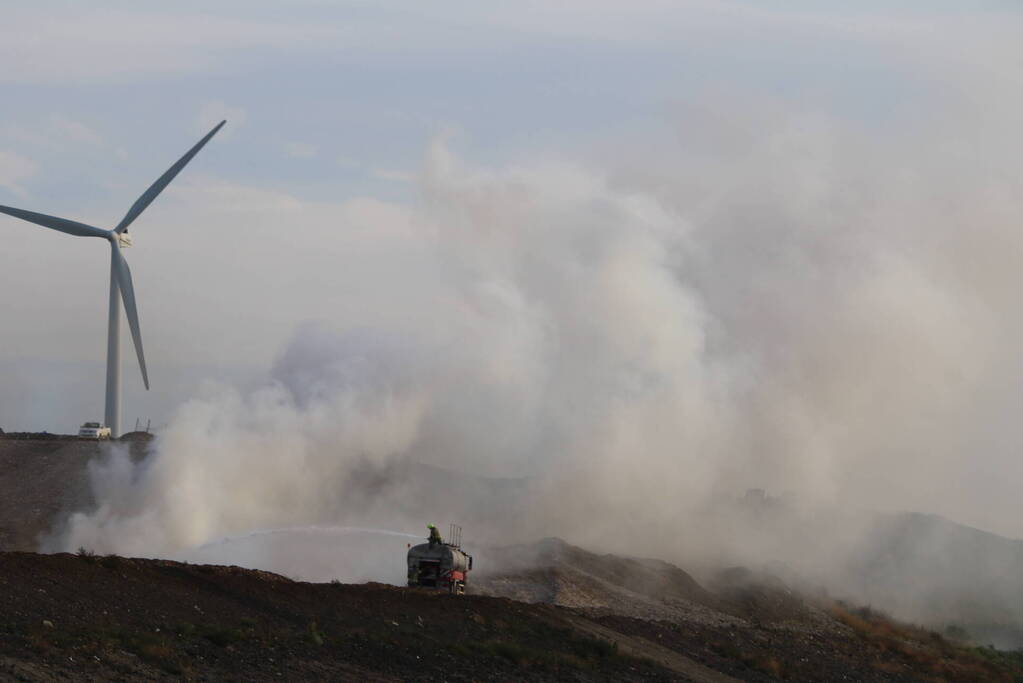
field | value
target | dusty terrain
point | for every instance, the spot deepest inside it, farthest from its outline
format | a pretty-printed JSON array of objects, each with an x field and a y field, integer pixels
[
  {"x": 106, "y": 618},
  {"x": 41, "y": 478},
  {"x": 87, "y": 617}
]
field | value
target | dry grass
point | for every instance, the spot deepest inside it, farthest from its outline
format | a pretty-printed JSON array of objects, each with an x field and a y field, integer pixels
[
  {"x": 925, "y": 651},
  {"x": 771, "y": 666},
  {"x": 768, "y": 664}
]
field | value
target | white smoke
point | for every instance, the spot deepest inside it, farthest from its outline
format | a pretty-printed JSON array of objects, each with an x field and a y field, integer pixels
[
  {"x": 811, "y": 308},
  {"x": 559, "y": 336}
]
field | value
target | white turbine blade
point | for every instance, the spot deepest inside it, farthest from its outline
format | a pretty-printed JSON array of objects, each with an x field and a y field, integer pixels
[
  {"x": 163, "y": 181},
  {"x": 128, "y": 296},
  {"x": 61, "y": 224}
]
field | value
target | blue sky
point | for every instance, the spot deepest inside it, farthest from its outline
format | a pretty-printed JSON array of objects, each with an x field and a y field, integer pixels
[{"x": 328, "y": 95}]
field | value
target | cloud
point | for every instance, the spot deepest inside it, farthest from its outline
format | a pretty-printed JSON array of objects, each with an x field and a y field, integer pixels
[
  {"x": 78, "y": 45},
  {"x": 393, "y": 175},
  {"x": 75, "y": 131},
  {"x": 85, "y": 45},
  {"x": 15, "y": 168},
  {"x": 216, "y": 196},
  {"x": 50, "y": 134},
  {"x": 300, "y": 150},
  {"x": 213, "y": 112}
]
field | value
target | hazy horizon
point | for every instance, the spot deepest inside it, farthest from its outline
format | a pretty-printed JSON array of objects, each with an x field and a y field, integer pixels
[{"x": 677, "y": 248}]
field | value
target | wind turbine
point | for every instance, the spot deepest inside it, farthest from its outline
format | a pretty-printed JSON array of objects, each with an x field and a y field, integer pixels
[{"x": 120, "y": 277}]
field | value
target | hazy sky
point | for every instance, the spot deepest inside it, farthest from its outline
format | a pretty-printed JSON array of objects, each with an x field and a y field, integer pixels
[{"x": 847, "y": 182}]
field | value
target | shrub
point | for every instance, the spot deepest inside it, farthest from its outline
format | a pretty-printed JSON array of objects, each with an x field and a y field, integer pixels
[{"x": 314, "y": 634}]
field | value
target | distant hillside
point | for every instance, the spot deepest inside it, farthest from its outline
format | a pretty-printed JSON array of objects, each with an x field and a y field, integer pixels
[
  {"x": 555, "y": 572},
  {"x": 920, "y": 567},
  {"x": 943, "y": 573},
  {"x": 41, "y": 480},
  {"x": 742, "y": 613}
]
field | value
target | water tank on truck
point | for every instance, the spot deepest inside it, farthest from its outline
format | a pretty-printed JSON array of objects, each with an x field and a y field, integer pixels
[{"x": 440, "y": 564}]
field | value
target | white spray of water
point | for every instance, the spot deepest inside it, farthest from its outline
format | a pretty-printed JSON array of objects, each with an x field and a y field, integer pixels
[
  {"x": 314, "y": 553},
  {"x": 312, "y": 529}
]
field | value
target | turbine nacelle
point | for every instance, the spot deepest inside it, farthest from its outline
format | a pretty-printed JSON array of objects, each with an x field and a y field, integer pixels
[{"x": 123, "y": 239}]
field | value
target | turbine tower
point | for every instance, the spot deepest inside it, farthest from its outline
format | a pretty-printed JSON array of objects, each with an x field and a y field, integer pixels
[{"x": 120, "y": 277}]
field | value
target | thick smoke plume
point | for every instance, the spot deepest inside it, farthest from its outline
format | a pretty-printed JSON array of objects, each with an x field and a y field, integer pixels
[{"x": 760, "y": 300}]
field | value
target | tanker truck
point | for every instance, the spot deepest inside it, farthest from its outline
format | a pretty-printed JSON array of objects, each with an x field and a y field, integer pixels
[{"x": 438, "y": 564}]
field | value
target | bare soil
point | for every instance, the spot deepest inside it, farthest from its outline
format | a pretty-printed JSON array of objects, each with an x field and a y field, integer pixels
[
  {"x": 87, "y": 617},
  {"x": 104, "y": 618},
  {"x": 45, "y": 476}
]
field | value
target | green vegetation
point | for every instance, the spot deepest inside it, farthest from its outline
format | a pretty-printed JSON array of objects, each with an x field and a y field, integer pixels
[
  {"x": 111, "y": 561},
  {"x": 556, "y": 649},
  {"x": 222, "y": 636},
  {"x": 1009, "y": 659},
  {"x": 315, "y": 637}
]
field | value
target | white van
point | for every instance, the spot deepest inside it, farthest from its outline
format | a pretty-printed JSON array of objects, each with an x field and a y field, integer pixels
[{"x": 93, "y": 430}]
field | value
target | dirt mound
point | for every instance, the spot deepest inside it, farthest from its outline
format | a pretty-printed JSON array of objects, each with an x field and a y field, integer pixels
[
  {"x": 640, "y": 575},
  {"x": 762, "y": 598},
  {"x": 87, "y": 617},
  {"x": 43, "y": 479},
  {"x": 109, "y": 618},
  {"x": 136, "y": 436},
  {"x": 556, "y": 572},
  {"x": 40, "y": 479},
  {"x": 35, "y": 436}
]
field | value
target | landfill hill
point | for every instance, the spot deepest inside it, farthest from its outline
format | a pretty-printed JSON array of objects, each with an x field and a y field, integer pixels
[
  {"x": 598, "y": 616},
  {"x": 89, "y": 617},
  {"x": 44, "y": 476},
  {"x": 920, "y": 567}
]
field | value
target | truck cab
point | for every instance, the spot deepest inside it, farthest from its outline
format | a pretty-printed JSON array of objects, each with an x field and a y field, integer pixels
[{"x": 94, "y": 430}]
